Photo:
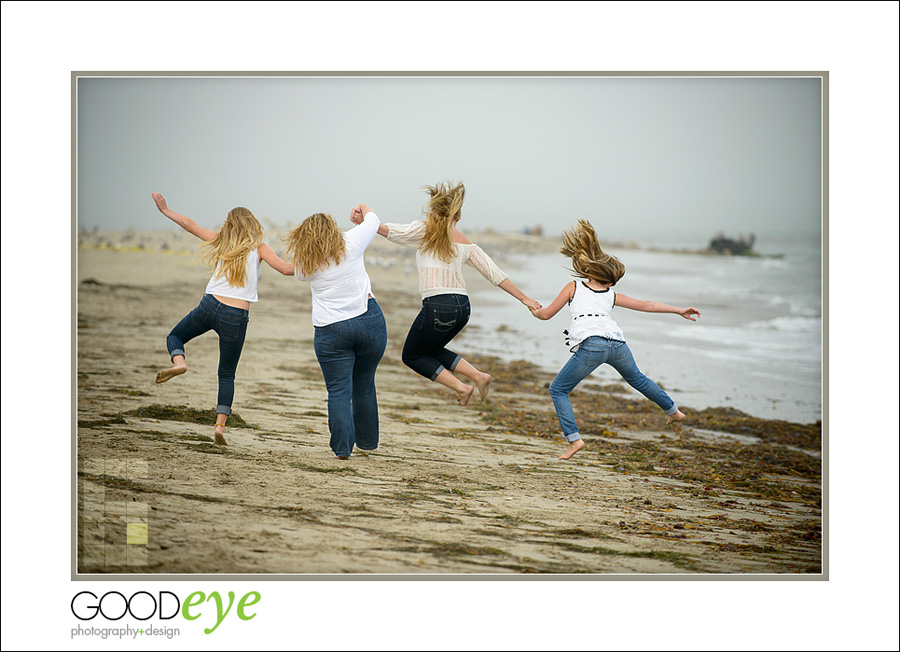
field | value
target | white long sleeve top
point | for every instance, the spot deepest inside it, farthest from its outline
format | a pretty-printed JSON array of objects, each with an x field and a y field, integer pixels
[
  {"x": 436, "y": 276},
  {"x": 342, "y": 291}
]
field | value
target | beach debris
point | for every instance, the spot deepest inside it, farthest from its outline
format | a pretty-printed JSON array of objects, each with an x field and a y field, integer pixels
[{"x": 185, "y": 413}]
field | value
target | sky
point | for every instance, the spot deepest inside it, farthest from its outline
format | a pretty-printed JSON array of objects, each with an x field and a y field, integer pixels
[{"x": 637, "y": 156}]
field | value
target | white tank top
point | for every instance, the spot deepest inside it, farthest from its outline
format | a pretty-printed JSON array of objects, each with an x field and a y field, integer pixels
[
  {"x": 223, "y": 288},
  {"x": 591, "y": 315}
]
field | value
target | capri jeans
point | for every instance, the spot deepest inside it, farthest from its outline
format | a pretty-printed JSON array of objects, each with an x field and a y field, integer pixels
[{"x": 441, "y": 319}]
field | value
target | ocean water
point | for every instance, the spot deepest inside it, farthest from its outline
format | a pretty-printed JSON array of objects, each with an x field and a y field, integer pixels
[{"x": 757, "y": 345}]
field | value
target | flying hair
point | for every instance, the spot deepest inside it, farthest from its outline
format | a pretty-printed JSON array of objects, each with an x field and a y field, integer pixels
[
  {"x": 589, "y": 261},
  {"x": 443, "y": 210}
]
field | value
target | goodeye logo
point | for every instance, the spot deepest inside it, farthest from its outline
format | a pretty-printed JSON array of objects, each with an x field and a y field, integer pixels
[{"x": 165, "y": 605}]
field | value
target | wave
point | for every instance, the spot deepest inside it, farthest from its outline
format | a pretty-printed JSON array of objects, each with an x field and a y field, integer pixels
[{"x": 794, "y": 323}]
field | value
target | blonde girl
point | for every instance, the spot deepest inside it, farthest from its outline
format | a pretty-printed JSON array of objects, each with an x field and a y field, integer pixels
[
  {"x": 593, "y": 335},
  {"x": 235, "y": 250},
  {"x": 350, "y": 332},
  {"x": 441, "y": 251}
]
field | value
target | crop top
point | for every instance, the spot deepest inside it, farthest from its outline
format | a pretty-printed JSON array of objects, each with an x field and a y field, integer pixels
[{"x": 223, "y": 288}]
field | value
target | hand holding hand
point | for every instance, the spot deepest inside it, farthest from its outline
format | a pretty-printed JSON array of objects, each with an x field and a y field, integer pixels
[
  {"x": 531, "y": 304},
  {"x": 160, "y": 201},
  {"x": 688, "y": 312},
  {"x": 359, "y": 212}
]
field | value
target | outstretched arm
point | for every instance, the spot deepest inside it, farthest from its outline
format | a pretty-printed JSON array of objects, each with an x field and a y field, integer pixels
[
  {"x": 655, "y": 306},
  {"x": 562, "y": 299},
  {"x": 510, "y": 288},
  {"x": 481, "y": 262},
  {"x": 274, "y": 261},
  {"x": 185, "y": 223}
]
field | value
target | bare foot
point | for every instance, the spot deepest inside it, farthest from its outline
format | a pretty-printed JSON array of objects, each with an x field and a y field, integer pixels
[
  {"x": 220, "y": 435},
  {"x": 342, "y": 457},
  {"x": 573, "y": 448},
  {"x": 484, "y": 387},
  {"x": 464, "y": 396},
  {"x": 166, "y": 374},
  {"x": 678, "y": 416}
]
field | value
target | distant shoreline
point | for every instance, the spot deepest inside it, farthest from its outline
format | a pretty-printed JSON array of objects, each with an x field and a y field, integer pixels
[{"x": 508, "y": 243}]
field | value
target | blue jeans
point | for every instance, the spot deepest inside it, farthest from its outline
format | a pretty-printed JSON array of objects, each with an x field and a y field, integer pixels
[
  {"x": 349, "y": 352},
  {"x": 441, "y": 319},
  {"x": 592, "y": 353},
  {"x": 231, "y": 326}
]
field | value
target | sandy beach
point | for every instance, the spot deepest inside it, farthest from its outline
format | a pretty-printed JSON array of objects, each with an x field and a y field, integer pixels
[{"x": 451, "y": 490}]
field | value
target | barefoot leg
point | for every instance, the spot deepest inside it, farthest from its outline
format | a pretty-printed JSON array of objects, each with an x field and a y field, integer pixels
[
  {"x": 482, "y": 380},
  {"x": 220, "y": 429},
  {"x": 678, "y": 416},
  {"x": 464, "y": 397},
  {"x": 463, "y": 391},
  {"x": 179, "y": 368},
  {"x": 573, "y": 448}
]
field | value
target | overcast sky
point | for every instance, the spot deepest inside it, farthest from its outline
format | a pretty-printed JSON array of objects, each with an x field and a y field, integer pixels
[{"x": 636, "y": 156}]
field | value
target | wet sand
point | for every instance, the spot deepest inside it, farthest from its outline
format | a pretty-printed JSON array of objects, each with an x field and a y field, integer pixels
[{"x": 451, "y": 490}]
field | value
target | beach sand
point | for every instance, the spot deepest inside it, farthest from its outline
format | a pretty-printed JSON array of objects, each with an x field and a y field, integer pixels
[{"x": 451, "y": 490}]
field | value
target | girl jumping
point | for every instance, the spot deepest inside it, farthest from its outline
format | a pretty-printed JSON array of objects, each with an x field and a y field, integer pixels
[
  {"x": 442, "y": 250},
  {"x": 594, "y": 337},
  {"x": 235, "y": 250}
]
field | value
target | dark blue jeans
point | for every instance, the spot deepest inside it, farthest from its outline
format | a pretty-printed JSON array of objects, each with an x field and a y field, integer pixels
[
  {"x": 441, "y": 319},
  {"x": 231, "y": 326},
  {"x": 349, "y": 352}
]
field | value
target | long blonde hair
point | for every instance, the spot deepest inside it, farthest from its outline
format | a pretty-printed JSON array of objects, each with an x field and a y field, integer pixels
[
  {"x": 588, "y": 259},
  {"x": 240, "y": 234},
  {"x": 315, "y": 243},
  {"x": 443, "y": 210}
]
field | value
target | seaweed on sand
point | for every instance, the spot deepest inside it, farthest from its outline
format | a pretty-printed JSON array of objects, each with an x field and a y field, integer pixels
[{"x": 188, "y": 414}]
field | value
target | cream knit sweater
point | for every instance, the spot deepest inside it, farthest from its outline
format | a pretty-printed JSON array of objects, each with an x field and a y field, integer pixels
[{"x": 436, "y": 276}]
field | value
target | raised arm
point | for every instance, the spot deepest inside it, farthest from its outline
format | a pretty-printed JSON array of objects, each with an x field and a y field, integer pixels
[
  {"x": 655, "y": 306},
  {"x": 410, "y": 235},
  {"x": 562, "y": 299},
  {"x": 358, "y": 214},
  {"x": 185, "y": 223},
  {"x": 274, "y": 261}
]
